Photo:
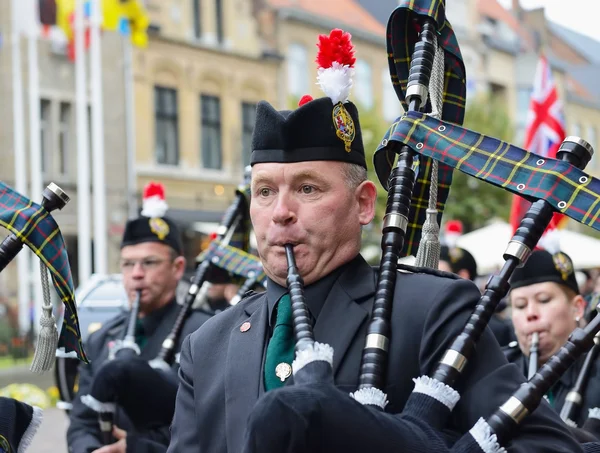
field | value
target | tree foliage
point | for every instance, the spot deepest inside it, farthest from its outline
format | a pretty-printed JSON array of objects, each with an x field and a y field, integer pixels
[{"x": 472, "y": 201}]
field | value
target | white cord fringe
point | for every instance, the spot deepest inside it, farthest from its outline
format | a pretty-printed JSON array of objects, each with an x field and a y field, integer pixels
[
  {"x": 370, "y": 396},
  {"x": 319, "y": 352},
  {"x": 437, "y": 390},
  {"x": 97, "y": 406},
  {"x": 28, "y": 435},
  {"x": 488, "y": 442}
]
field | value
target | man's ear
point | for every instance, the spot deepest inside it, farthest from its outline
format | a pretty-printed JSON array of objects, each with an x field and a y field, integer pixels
[{"x": 366, "y": 195}]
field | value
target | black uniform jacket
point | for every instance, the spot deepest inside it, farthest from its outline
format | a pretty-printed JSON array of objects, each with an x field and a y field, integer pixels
[
  {"x": 221, "y": 364},
  {"x": 83, "y": 434},
  {"x": 591, "y": 393}
]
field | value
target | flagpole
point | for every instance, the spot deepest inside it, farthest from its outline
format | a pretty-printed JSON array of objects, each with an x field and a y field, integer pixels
[
  {"x": 98, "y": 181},
  {"x": 35, "y": 146},
  {"x": 83, "y": 159},
  {"x": 23, "y": 258},
  {"x": 130, "y": 124}
]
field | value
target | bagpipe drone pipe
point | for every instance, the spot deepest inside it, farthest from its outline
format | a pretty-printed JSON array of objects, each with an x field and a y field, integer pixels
[
  {"x": 325, "y": 417},
  {"x": 127, "y": 384},
  {"x": 32, "y": 225}
]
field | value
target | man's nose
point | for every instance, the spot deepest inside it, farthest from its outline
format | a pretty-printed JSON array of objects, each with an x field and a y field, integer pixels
[
  {"x": 285, "y": 210},
  {"x": 138, "y": 270}
]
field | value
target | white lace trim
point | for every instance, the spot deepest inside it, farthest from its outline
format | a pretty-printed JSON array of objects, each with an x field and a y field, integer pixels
[
  {"x": 97, "y": 406},
  {"x": 370, "y": 396},
  {"x": 318, "y": 352},
  {"x": 488, "y": 442},
  {"x": 27, "y": 438},
  {"x": 437, "y": 390}
]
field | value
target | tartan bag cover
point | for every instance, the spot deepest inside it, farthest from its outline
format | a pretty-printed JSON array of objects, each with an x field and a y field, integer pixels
[
  {"x": 38, "y": 230},
  {"x": 234, "y": 260},
  {"x": 402, "y": 34},
  {"x": 568, "y": 189}
]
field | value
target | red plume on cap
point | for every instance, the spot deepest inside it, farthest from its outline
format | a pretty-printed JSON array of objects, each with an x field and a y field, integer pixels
[
  {"x": 335, "y": 48},
  {"x": 453, "y": 230},
  {"x": 153, "y": 189},
  {"x": 454, "y": 226},
  {"x": 153, "y": 203},
  {"x": 335, "y": 59},
  {"x": 304, "y": 99}
]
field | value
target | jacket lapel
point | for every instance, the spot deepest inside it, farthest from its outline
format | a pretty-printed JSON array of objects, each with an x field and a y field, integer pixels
[
  {"x": 346, "y": 310},
  {"x": 244, "y": 369}
]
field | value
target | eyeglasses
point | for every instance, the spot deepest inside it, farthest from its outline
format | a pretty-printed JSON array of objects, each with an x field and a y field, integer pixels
[{"x": 147, "y": 264}]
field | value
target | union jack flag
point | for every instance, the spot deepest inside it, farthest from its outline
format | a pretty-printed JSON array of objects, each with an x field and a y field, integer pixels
[{"x": 544, "y": 133}]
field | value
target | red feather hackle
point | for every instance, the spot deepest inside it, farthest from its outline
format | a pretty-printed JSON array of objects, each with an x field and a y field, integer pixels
[
  {"x": 335, "y": 47},
  {"x": 153, "y": 189}
]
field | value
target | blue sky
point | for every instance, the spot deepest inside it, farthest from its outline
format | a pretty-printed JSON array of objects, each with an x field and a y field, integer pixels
[{"x": 569, "y": 16}]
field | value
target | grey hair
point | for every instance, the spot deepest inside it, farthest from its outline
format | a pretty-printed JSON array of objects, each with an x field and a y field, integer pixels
[{"x": 355, "y": 175}]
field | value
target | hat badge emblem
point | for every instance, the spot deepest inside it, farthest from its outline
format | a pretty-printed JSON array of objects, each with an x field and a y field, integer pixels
[
  {"x": 563, "y": 265},
  {"x": 344, "y": 125},
  {"x": 159, "y": 227}
]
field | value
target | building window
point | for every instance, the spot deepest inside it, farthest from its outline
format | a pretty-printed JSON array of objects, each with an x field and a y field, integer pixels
[
  {"x": 364, "y": 84},
  {"x": 45, "y": 133},
  {"x": 165, "y": 112},
  {"x": 297, "y": 69},
  {"x": 211, "y": 132},
  {"x": 576, "y": 130},
  {"x": 197, "y": 22},
  {"x": 64, "y": 129},
  {"x": 219, "y": 18},
  {"x": 392, "y": 108},
  {"x": 248, "y": 119}
]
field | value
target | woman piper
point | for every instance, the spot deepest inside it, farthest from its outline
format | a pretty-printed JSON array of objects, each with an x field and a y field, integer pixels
[{"x": 546, "y": 303}]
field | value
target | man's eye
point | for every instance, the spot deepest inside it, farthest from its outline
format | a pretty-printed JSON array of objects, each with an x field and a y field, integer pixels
[
  {"x": 264, "y": 192},
  {"x": 308, "y": 189}
]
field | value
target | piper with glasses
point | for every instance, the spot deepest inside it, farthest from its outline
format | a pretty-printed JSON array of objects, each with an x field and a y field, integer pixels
[{"x": 152, "y": 264}]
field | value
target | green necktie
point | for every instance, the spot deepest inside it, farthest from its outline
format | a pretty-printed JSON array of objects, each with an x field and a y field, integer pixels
[
  {"x": 280, "y": 351},
  {"x": 140, "y": 335}
]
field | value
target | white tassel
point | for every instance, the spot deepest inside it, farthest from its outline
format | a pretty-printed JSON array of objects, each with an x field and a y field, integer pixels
[
  {"x": 45, "y": 350},
  {"x": 370, "y": 396},
  {"x": 34, "y": 425},
  {"x": 318, "y": 352},
  {"x": 437, "y": 390},
  {"x": 98, "y": 406},
  {"x": 488, "y": 442}
]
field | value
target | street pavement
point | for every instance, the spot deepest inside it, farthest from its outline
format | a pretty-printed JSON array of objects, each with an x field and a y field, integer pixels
[{"x": 50, "y": 437}]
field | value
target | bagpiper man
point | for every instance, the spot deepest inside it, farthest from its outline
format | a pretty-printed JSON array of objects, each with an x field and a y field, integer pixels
[
  {"x": 152, "y": 265},
  {"x": 310, "y": 190}
]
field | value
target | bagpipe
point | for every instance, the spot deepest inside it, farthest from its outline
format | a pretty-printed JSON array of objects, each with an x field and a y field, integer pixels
[
  {"x": 312, "y": 414},
  {"x": 146, "y": 390},
  {"x": 32, "y": 225}
]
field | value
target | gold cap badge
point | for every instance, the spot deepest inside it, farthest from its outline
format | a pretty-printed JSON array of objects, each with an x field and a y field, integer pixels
[
  {"x": 159, "y": 227},
  {"x": 344, "y": 125},
  {"x": 563, "y": 264}
]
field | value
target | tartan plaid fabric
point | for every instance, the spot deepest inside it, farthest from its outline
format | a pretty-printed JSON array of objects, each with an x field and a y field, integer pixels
[
  {"x": 568, "y": 189},
  {"x": 38, "y": 230},
  {"x": 234, "y": 260},
  {"x": 402, "y": 34}
]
